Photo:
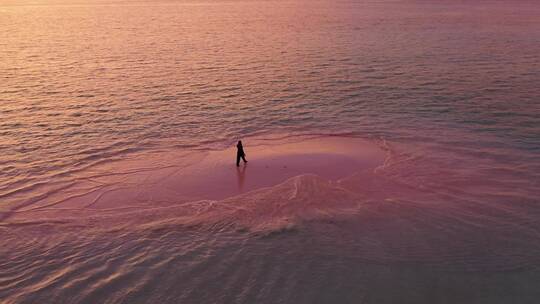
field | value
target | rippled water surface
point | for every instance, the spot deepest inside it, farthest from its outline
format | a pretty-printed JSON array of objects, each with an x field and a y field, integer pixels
[{"x": 449, "y": 91}]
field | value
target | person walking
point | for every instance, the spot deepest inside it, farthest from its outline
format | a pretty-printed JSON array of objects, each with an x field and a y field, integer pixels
[{"x": 240, "y": 153}]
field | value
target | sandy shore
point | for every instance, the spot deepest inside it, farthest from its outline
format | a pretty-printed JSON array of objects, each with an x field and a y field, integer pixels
[{"x": 173, "y": 177}]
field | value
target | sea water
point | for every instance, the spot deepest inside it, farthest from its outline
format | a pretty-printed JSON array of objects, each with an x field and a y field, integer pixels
[{"x": 448, "y": 90}]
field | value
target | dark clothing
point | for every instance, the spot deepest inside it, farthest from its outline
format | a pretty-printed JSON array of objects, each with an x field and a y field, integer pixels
[
  {"x": 240, "y": 149},
  {"x": 240, "y": 154}
]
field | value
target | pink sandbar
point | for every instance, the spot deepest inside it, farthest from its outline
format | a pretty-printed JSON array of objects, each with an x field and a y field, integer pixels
[{"x": 168, "y": 178}]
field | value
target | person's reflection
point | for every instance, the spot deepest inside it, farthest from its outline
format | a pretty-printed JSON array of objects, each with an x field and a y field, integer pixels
[{"x": 241, "y": 173}]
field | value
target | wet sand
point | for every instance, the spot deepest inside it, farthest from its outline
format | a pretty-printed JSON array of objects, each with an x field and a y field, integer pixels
[{"x": 172, "y": 177}]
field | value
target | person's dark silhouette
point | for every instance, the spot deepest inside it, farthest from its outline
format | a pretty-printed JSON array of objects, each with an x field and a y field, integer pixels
[{"x": 240, "y": 153}]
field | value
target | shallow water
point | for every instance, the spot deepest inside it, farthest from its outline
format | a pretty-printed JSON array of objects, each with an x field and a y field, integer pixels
[{"x": 448, "y": 90}]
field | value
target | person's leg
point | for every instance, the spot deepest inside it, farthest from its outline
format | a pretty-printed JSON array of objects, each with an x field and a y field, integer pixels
[
  {"x": 237, "y": 160},
  {"x": 244, "y": 158}
]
